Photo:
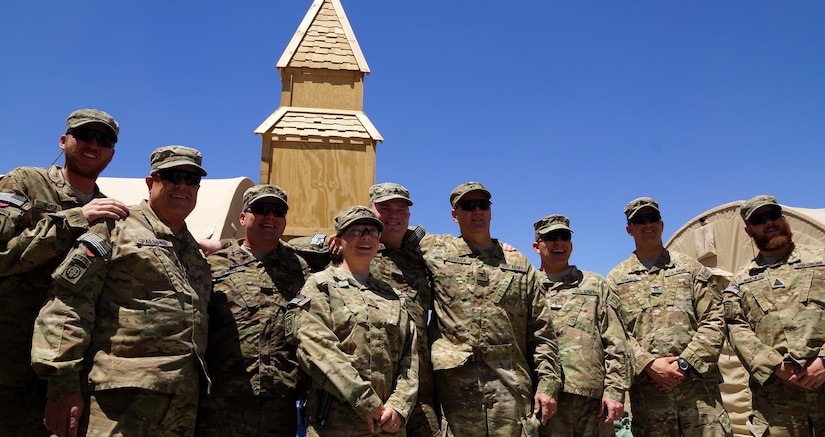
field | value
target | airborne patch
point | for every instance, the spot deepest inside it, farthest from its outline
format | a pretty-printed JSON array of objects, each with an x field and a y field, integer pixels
[{"x": 76, "y": 269}]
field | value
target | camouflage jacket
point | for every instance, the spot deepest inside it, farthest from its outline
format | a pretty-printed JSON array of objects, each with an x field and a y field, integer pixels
[
  {"x": 595, "y": 355},
  {"x": 405, "y": 270},
  {"x": 490, "y": 306},
  {"x": 674, "y": 309},
  {"x": 127, "y": 308},
  {"x": 358, "y": 342},
  {"x": 779, "y": 311},
  {"x": 249, "y": 353},
  {"x": 40, "y": 217}
]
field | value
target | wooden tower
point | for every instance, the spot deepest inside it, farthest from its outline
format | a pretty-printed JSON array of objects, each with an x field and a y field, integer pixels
[{"x": 319, "y": 145}]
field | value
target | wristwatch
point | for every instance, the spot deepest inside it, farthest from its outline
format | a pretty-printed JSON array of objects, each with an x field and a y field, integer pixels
[{"x": 683, "y": 364}]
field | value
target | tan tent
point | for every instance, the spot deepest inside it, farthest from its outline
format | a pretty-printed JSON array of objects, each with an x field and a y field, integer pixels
[
  {"x": 718, "y": 240},
  {"x": 216, "y": 215}
]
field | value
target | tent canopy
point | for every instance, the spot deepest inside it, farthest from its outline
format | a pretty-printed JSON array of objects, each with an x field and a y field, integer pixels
[
  {"x": 220, "y": 202},
  {"x": 718, "y": 240}
]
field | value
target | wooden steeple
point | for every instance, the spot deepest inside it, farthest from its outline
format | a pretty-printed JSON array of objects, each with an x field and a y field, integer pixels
[{"x": 319, "y": 145}]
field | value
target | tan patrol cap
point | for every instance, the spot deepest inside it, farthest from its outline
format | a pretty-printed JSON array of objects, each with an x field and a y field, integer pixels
[
  {"x": 176, "y": 156},
  {"x": 751, "y": 205},
  {"x": 86, "y": 116},
  {"x": 551, "y": 223},
  {"x": 467, "y": 188},
  {"x": 349, "y": 216},
  {"x": 637, "y": 205},
  {"x": 389, "y": 191},
  {"x": 263, "y": 191}
]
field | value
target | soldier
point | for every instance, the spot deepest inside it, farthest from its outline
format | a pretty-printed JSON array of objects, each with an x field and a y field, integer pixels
[
  {"x": 400, "y": 263},
  {"x": 492, "y": 342},
  {"x": 595, "y": 359},
  {"x": 121, "y": 338},
  {"x": 774, "y": 310},
  {"x": 250, "y": 359},
  {"x": 356, "y": 340},
  {"x": 672, "y": 311},
  {"x": 42, "y": 211}
]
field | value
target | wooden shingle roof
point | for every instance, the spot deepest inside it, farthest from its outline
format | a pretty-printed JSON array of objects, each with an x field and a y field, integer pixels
[
  {"x": 324, "y": 40},
  {"x": 289, "y": 121}
]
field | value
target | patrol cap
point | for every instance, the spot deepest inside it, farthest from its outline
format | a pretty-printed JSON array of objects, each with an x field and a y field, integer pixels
[
  {"x": 749, "y": 207},
  {"x": 389, "y": 191},
  {"x": 349, "y": 216},
  {"x": 86, "y": 116},
  {"x": 258, "y": 192},
  {"x": 637, "y": 205},
  {"x": 176, "y": 156},
  {"x": 466, "y": 188},
  {"x": 551, "y": 223}
]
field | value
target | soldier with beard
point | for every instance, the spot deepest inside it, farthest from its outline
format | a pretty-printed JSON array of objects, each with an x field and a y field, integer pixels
[
  {"x": 42, "y": 212},
  {"x": 776, "y": 319}
]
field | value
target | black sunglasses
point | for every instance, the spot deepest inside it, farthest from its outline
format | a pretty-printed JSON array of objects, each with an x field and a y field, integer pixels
[
  {"x": 471, "y": 205},
  {"x": 557, "y": 235},
  {"x": 175, "y": 175},
  {"x": 640, "y": 219},
  {"x": 261, "y": 208},
  {"x": 86, "y": 135},
  {"x": 761, "y": 219}
]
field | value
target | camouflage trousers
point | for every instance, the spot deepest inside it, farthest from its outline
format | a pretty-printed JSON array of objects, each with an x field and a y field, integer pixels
[
  {"x": 577, "y": 416},
  {"x": 423, "y": 421},
  {"x": 21, "y": 410},
  {"x": 138, "y": 412},
  {"x": 692, "y": 409},
  {"x": 783, "y": 410},
  {"x": 237, "y": 416},
  {"x": 475, "y": 402}
]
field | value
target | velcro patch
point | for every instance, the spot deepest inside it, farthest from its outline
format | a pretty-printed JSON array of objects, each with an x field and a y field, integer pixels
[
  {"x": 318, "y": 241},
  {"x": 12, "y": 199},
  {"x": 76, "y": 269},
  {"x": 154, "y": 242},
  {"x": 96, "y": 244}
]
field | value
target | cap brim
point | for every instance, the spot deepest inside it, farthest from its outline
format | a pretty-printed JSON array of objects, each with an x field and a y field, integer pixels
[
  {"x": 267, "y": 196},
  {"x": 181, "y": 163},
  {"x": 636, "y": 211},
  {"x": 393, "y": 197},
  {"x": 486, "y": 193}
]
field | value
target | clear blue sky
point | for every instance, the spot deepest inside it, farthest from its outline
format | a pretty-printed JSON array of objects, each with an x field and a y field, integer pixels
[{"x": 557, "y": 106}]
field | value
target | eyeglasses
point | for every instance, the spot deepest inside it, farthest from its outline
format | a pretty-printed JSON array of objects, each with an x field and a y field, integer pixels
[
  {"x": 262, "y": 208},
  {"x": 360, "y": 231},
  {"x": 640, "y": 219},
  {"x": 557, "y": 235},
  {"x": 175, "y": 175},
  {"x": 471, "y": 205},
  {"x": 761, "y": 219},
  {"x": 86, "y": 135}
]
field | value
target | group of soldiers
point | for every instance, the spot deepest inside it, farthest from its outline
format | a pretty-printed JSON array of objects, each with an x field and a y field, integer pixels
[{"x": 116, "y": 323}]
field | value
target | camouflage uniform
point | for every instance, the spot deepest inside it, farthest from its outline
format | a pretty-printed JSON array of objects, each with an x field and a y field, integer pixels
[
  {"x": 251, "y": 362},
  {"x": 405, "y": 270},
  {"x": 673, "y": 309},
  {"x": 595, "y": 355},
  {"x": 358, "y": 343},
  {"x": 40, "y": 217},
  {"x": 125, "y": 322},
  {"x": 778, "y": 315},
  {"x": 492, "y": 341}
]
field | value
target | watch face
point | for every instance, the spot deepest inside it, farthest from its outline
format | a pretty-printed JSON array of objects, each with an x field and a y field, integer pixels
[{"x": 683, "y": 364}]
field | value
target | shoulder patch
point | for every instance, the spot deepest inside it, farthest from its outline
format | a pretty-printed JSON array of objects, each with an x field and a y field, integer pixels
[
  {"x": 153, "y": 242},
  {"x": 704, "y": 274},
  {"x": 317, "y": 241},
  {"x": 298, "y": 300},
  {"x": 96, "y": 244},
  {"x": 14, "y": 200},
  {"x": 614, "y": 301},
  {"x": 416, "y": 235},
  {"x": 731, "y": 291}
]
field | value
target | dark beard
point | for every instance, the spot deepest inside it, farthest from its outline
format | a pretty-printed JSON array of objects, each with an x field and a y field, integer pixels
[
  {"x": 781, "y": 241},
  {"x": 75, "y": 167}
]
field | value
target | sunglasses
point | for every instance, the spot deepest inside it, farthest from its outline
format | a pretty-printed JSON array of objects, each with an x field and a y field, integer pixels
[
  {"x": 471, "y": 205},
  {"x": 175, "y": 175},
  {"x": 86, "y": 135},
  {"x": 360, "y": 231},
  {"x": 557, "y": 235},
  {"x": 640, "y": 219},
  {"x": 761, "y": 219},
  {"x": 261, "y": 208}
]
